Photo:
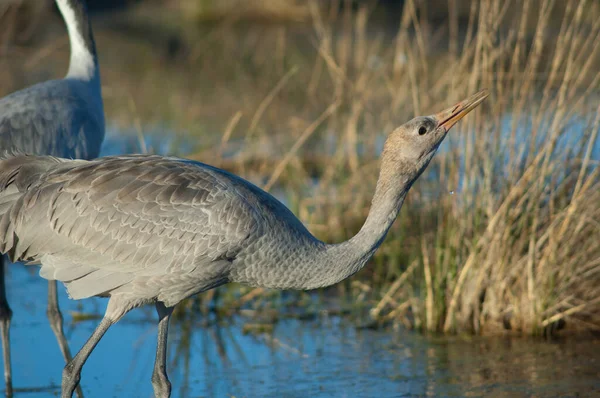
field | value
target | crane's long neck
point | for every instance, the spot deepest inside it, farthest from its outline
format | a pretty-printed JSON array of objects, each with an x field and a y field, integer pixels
[
  {"x": 342, "y": 260},
  {"x": 84, "y": 61}
]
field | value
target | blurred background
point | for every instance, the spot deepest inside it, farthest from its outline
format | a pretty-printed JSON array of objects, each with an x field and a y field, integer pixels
[{"x": 498, "y": 239}]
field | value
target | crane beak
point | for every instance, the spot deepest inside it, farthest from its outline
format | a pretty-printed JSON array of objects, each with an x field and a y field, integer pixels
[{"x": 451, "y": 116}]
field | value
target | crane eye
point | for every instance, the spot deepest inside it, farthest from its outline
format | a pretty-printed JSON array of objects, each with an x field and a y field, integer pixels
[{"x": 422, "y": 130}]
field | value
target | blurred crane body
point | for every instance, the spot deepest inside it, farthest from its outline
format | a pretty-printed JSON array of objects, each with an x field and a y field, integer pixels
[{"x": 63, "y": 118}]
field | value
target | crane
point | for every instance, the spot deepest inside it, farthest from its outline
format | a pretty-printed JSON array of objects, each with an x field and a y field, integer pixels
[
  {"x": 63, "y": 117},
  {"x": 150, "y": 229}
]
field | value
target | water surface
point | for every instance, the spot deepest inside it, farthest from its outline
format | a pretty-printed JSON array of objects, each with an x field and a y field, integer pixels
[{"x": 326, "y": 357}]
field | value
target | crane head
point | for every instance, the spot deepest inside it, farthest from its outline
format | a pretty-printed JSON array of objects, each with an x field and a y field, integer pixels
[{"x": 411, "y": 146}]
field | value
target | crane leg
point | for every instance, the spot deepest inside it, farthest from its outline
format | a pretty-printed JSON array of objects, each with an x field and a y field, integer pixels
[
  {"x": 5, "y": 317},
  {"x": 55, "y": 319},
  {"x": 160, "y": 380},
  {"x": 72, "y": 371}
]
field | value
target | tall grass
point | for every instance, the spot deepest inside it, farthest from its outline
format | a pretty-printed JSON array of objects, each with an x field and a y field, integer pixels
[
  {"x": 502, "y": 233},
  {"x": 517, "y": 248}
]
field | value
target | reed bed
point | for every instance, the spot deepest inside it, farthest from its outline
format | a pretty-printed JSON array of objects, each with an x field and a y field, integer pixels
[
  {"x": 502, "y": 232},
  {"x": 499, "y": 235}
]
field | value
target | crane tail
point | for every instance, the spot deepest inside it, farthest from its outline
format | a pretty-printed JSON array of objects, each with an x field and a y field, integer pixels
[
  {"x": 97, "y": 283},
  {"x": 18, "y": 172}
]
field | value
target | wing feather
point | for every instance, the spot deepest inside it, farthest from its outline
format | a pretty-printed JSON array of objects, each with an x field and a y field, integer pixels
[
  {"x": 143, "y": 214},
  {"x": 126, "y": 223}
]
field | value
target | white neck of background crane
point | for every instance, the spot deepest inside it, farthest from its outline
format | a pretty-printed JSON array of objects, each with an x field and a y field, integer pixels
[{"x": 84, "y": 63}]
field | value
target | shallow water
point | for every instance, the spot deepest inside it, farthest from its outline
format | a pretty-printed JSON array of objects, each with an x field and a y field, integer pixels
[{"x": 327, "y": 357}]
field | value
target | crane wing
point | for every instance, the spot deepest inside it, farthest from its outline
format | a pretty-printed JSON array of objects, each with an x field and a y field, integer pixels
[{"x": 129, "y": 216}]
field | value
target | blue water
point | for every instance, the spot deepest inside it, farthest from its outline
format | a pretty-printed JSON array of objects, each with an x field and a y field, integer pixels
[
  {"x": 327, "y": 357},
  {"x": 155, "y": 140}
]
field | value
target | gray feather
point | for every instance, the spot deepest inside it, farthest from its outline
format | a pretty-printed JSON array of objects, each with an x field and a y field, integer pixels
[{"x": 60, "y": 117}]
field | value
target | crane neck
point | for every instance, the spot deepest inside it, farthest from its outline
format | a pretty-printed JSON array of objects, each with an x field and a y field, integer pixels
[
  {"x": 84, "y": 61},
  {"x": 346, "y": 258},
  {"x": 385, "y": 207}
]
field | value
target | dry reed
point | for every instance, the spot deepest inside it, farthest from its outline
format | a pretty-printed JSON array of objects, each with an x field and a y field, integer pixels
[{"x": 516, "y": 246}]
